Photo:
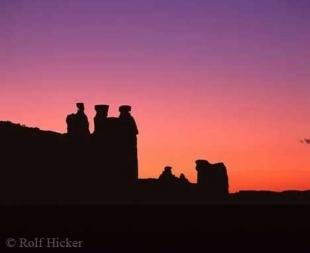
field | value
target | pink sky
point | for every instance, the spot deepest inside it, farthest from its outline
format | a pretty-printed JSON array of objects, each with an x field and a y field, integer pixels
[{"x": 218, "y": 81}]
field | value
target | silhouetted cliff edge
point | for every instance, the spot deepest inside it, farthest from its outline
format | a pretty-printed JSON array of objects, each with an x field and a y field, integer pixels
[
  {"x": 48, "y": 167},
  {"x": 79, "y": 167}
]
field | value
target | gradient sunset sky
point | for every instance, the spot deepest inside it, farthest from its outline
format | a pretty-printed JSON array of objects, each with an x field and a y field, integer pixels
[{"x": 219, "y": 80}]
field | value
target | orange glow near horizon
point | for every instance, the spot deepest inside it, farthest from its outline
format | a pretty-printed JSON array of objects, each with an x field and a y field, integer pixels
[
  {"x": 226, "y": 81},
  {"x": 258, "y": 142}
]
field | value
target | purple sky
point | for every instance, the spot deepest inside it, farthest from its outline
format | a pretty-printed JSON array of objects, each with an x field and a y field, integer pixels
[{"x": 231, "y": 76}]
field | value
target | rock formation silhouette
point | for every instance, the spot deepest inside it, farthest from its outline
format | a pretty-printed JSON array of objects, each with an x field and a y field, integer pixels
[
  {"x": 183, "y": 179},
  {"x": 167, "y": 177},
  {"x": 82, "y": 167},
  {"x": 212, "y": 178},
  {"x": 128, "y": 136},
  {"x": 100, "y": 120},
  {"x": 78, "y": 123}
]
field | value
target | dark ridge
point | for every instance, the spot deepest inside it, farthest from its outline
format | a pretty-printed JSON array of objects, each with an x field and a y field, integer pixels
[
  {"x": 79, "y": 167},
  {"x": 8, "y": 127}
]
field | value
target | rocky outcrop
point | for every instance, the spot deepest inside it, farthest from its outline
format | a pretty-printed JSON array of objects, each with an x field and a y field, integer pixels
[{"x": 212, "y": 178}]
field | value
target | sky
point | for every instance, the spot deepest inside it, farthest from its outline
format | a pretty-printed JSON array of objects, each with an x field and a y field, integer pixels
[{"x": 226, "y": 81}]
